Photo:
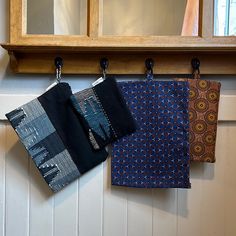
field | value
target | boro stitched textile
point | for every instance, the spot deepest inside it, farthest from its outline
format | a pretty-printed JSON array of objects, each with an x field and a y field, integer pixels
[
  {"x": 157, "y": 154},
  {"x": 203, "y": 114},
  {"x": 54, "y": 138},
  {"x": 104, "y": 113}
]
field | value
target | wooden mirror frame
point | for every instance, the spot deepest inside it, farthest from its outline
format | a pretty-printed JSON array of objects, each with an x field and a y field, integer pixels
[{"x": 126, "y": 54}]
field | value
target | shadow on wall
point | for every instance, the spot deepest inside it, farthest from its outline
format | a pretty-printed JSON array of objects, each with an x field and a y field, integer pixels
[
  {"x": 21, "y": 171},
  {"x": 167, "y": 200}
]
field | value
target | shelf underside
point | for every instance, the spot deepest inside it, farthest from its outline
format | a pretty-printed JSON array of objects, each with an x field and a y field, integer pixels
[{"x": 40, "y": 59}]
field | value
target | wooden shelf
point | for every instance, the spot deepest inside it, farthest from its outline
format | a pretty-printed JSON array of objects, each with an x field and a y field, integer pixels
[
  {"x": 82, "y": 60},
  {"x": 35, "y": 53}
]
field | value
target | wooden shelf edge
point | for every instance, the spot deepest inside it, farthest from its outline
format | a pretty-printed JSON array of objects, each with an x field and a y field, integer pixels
[
  {"x": 40, "y": 59},
  {"x": 214, "y": 48}
]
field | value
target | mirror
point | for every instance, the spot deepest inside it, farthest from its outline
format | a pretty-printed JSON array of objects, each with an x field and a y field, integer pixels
[
  {"x": 117, "y": 17},
  {"x": 58, "y": 17},
  {"x": 152, "y": 17},
  {"x": 225, "y": 17}
]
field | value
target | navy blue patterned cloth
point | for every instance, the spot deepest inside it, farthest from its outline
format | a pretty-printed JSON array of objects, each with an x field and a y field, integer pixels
[{"x": 157, "y": 154}]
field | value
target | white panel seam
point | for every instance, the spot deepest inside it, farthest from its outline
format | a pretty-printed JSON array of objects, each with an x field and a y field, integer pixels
[{"x": 5, "y": 210}]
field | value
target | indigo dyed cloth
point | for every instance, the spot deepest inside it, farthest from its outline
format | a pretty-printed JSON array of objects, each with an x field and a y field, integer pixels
[
  {"x": 52, "y": 134},
  {"x": 157, "y": 154},
  {"x": 104, "y": 113},
  {"x": 204, "y": 99}
]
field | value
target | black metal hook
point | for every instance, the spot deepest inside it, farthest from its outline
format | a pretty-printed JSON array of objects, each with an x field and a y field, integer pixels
[
  {"x": 149, "y": 63},
  {"x": 195, "y": 63},
  {"x": 104, "y": 63},
  {"x": 58, "y": 64}
]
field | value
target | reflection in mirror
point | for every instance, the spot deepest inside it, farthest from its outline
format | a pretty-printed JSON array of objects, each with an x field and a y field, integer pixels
[
  {"x": 152, "y": 17},
  {"x": 61, "y": 17},
  {"x": 224, "y": 17}
]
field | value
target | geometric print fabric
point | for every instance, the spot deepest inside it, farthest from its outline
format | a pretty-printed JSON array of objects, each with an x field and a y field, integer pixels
[
  {"x": 103, "y": 113},
  {"x": 157, "y": 154},
  {"x": 90, "y": 108},
  {"x": 203, "y": 114},
  {"x": 44, "y": 145},
  {"x": 51, "y": 132}
]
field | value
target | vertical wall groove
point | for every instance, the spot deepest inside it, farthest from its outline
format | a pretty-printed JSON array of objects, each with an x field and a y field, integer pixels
[
  {"x": 4, "y": 187},
  {"x": 77, "y": 207}
]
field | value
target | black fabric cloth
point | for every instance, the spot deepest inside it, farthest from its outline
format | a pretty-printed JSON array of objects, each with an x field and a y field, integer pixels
[
  {"x": 59, "y": 109},
  {"x": 103, "y": 113},
  {"x": 50, "y": 130}
]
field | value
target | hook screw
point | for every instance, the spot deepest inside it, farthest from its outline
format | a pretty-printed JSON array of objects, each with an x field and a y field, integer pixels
[
  {"x": 58, "y": 64},
  {"x": 104, "y": 63},
  {"x": 149, "y": 63}
]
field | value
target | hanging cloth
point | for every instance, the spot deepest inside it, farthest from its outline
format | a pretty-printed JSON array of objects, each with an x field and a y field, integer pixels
[
  {"x": 103, "y": 113},
  {"x": 204, "y": 98},
  {"x": 157, "y": 154},
  {"x": 52, "y": 134}
]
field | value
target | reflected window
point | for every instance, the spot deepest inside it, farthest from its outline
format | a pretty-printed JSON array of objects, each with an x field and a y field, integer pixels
[
  {"x": 152, "y": 17},
  {"x": 59, "y": 17},
  {"x": 225, "y": 17}
]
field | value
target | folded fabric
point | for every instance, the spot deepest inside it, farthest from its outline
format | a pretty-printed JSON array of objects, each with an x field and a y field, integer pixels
[
  {"x": 52, "y": 134},
  {"x": 157, "y": 154},
  {"x": 104, "y": 113},
  {"x": 203, "y": 115}
]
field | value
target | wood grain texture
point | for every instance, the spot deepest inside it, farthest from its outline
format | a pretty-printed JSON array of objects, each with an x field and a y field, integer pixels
[
  {"x": 93, "y": 18},
  {"x": 28, "y": 51},
  {"x": 16, "y": 20},
  {"x": 123, "y": 62}
]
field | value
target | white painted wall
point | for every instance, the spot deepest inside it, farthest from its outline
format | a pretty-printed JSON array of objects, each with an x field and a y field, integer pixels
[{"x": 91, "y": 206}]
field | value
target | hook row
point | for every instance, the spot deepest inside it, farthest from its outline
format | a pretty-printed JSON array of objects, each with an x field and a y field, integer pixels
[{"x": 104, "y": 63}]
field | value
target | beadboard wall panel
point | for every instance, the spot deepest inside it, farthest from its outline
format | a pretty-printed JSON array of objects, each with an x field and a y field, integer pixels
[{"x": 90, "y": 206}]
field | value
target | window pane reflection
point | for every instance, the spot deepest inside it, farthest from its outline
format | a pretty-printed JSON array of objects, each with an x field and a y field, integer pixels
[
  {"x": 62, "y": 17},
  {"x": 152, "y": 17},
  {"x": 225, "y": 17}
]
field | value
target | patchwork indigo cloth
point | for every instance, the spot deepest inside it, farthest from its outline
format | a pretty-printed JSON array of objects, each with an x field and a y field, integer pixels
[
  {"x": 157, "y": 154},
  {"x": 204, "y": 98},
  {"x": 51, "y": 132},
  {"x": 104, "y": 113}
]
